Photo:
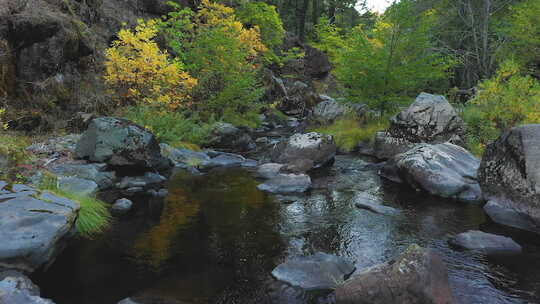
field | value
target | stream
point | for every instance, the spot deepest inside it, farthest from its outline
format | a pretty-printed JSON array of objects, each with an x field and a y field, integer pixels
[{"x": 216, "y": 239}]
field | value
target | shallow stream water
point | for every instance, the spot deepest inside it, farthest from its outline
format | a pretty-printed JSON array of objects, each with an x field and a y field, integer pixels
[{"x": 216, "y": 239}]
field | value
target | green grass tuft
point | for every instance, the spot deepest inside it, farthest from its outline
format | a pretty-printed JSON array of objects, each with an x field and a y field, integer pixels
[
  {"x": 94, "y": 216},
  {"x": 349, "y": 132}
]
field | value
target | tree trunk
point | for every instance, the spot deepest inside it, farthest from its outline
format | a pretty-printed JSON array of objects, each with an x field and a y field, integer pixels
[
  {"x": 301, "y": 15},
  {"x": 315, "y": 12},
  {"x": 332, "y": 11}
]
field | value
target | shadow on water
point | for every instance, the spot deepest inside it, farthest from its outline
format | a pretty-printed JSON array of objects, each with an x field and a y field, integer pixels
[{"x": 216, "y": 239}]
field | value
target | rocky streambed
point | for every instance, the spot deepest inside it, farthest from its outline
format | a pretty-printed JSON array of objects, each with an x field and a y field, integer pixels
[{"x": 290, "y": 221}]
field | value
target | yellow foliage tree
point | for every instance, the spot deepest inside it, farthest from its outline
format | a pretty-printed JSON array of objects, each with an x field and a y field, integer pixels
[{"x": 137, "y": 70}]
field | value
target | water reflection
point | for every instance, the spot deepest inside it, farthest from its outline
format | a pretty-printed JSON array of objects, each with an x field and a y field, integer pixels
[{"x": 218, "y": 239}]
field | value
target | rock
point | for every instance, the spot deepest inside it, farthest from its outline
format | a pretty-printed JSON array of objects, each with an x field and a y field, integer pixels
[
  {"x": 274, "y": 87},
  {"x": 321, "y": 271},
  {"x": 329, "y": 110},
  {"x": 80, "y": 121},
  {"x": 225, "y": 160},
  {"x": 15, "y": 288},
  {"x": 148, "y": 179},
  {"x": 122, "y": 206},
  {"x": 56, "y": 145},
  {"x": 287, "y": 183},
  {"x": 300, "y": 98},
  {"x": 430, "y": 119},
  {"x": 364, "y": 200},
  {"x": 77, "y": 185},
  {"x": 119, "y": 142},
  {"x": 228, "y": 137},
  {"x": 33, "y": 230},
  {"x": 150, "y": 299},
  {"x": 444, "y": 170},
  {"x": 184, "y": 157},
  {"x": 313, "y": 146},
  {"x": 317, "y": 63},
  {"x": 298, "y": 166},
  {"x": 417, "y": 276},
  {"x": 93, "y": 172},
  {"x": 510, "y": 178},
  {"x": 269, "y": 170},
  {"x": 486, "y": 243}
]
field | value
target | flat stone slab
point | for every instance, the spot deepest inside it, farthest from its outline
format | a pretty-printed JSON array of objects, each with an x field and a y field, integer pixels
[
  {"x": 320, "y": 271},
  {"x": 32, "y": 229},
  {"x": 486, "y": 243},
  {"x": 367, "y": 201}
]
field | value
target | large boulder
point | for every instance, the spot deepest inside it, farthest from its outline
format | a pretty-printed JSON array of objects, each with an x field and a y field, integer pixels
[
  {"x": 329, "y": 110},
  {"x": 33, "y": 227},
  {"x": 225, "y": 136},
  {"x": 430, "y": 119},
  {"x": 510, "y": 178},
  {"x": 313, "y": 146},
  {"x": 490, "y": 244},
  {"x": 417, "y": 276},
  {"x": 119, "y": 142},
  {"x": 16, "y": 288},
  {"x": 320, "y": 271},
  {"x": 445, "y": 170}
]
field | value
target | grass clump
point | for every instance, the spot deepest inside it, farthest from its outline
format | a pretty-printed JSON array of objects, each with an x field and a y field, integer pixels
[
  {"x": 350, "y": 131},
  {"x": 94, "y": 216}
]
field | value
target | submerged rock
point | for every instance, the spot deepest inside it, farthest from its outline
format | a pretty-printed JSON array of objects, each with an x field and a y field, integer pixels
[
  {"x": 287, "y": 183},
  {"x": 16, "y": 288},
  {"x": 121, "y": 206},
  {"x": 119, "y": 142},
  {"x": 318, "y": 148},
  {"x": 147, "y": 180},
  {"x": 417, "y": 276},
  {"x": 510, "y": 178},
  {"x": 33, "y": 230},
  {"x": 320, "y": 271},
  {"x": 486, "y": 243},
  {"x": 430, "y": 119},
  {"x": 444, "y": 170},
  {"x": 364, "y": 200}
]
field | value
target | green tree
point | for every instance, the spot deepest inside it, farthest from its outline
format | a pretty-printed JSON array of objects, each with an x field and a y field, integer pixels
[
  {"x": 523, "y": 30},
  {"x": 266, "y": 18},
  {"x": 395, "y": 60}
]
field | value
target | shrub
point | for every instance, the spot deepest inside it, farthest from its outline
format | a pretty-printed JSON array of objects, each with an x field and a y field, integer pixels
[
  {"x": 508, "y": 99},
  {"x": 172, "y": 127},
  {"x": 138, "y": 71},
  {"x": 223, "y": 55},
  {"x": 94, "y": 216}
]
